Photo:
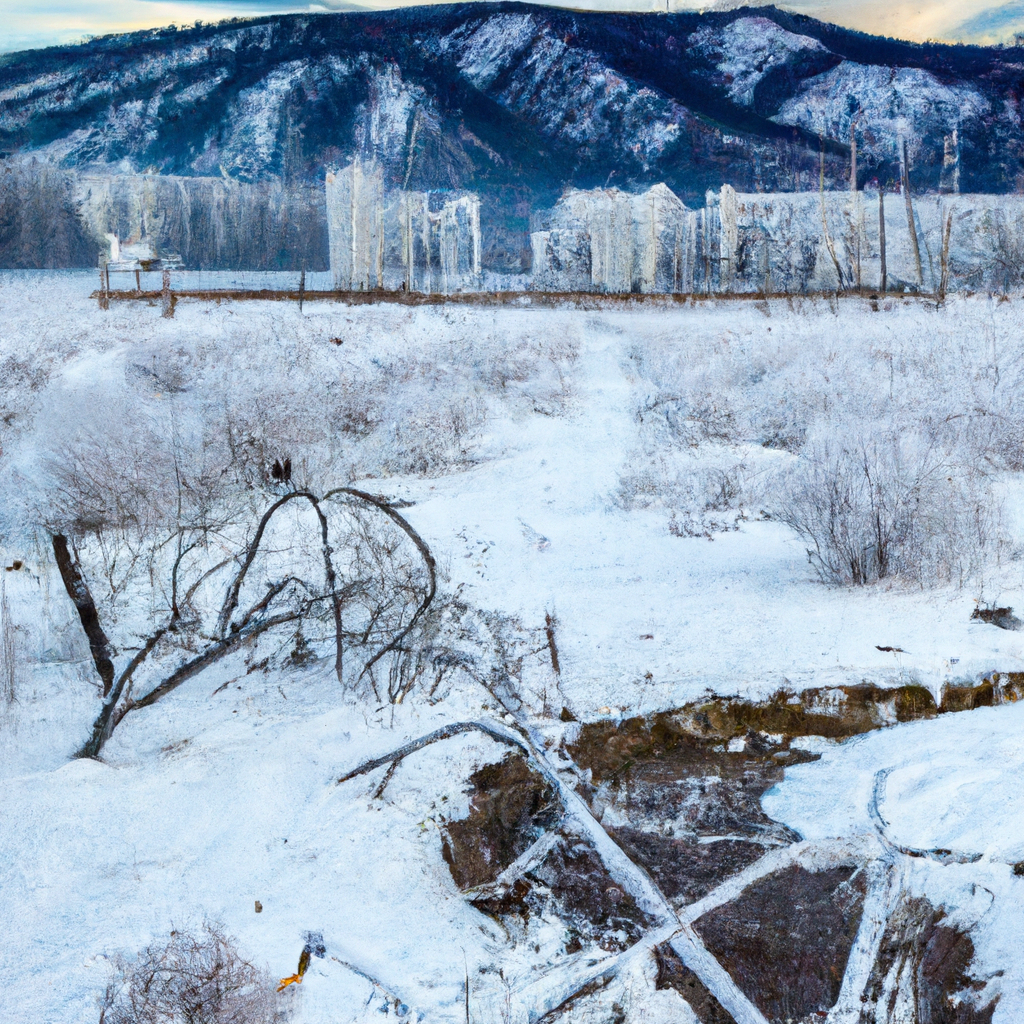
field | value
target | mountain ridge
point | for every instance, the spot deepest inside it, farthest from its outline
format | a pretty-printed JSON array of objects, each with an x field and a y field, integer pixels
[
  {"x": 516, "y": 102},
  {"x": 171, "y": 101}
]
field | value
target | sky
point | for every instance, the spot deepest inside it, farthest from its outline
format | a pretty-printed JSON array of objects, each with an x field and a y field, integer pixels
[{"x": 30, "y": 23}]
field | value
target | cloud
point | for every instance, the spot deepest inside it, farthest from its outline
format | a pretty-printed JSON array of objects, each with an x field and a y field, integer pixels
[
  {"x": 32, "y": 23},
  {"x": 996, "y": 24}
]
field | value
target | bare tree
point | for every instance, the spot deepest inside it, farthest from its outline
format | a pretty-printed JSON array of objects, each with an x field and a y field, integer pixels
[
  {"x": 197, "y": 976},
  {"x": 362, "y": 582}
]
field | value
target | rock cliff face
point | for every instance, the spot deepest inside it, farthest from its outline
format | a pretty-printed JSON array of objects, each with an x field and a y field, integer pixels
[{"x": 512, "y": 102}]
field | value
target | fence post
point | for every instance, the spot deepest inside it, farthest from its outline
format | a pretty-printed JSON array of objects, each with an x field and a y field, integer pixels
[
  {"x": 881, "y": 236},
  {"x": 910, "y": 217},
  {"x": 104, "y": 297},
  {"x": 165, "y": 294}
]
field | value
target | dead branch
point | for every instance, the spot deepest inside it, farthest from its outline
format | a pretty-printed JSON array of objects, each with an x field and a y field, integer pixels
[
  {"x": 549, "y": 627},
  {"x": 603, "y": 980},
  {"x": 231, "y": 600},
  {"x": 235, "y": 629},
  {"x": 444, "y": 733},
  {"x": 386, "y": 993},
  {"x": 428, "y": 560},
  {"x": 212, "y": 654}
]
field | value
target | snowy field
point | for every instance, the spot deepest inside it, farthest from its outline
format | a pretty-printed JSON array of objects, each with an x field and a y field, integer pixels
[{"x": 608, "y": 473}]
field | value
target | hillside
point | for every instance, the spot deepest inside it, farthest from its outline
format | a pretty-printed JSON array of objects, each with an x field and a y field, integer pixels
[{"x": 520, "y": 98}]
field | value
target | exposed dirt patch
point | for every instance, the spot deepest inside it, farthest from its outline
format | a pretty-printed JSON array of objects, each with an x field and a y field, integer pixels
[
  {"x": 685, "y": 869},
  {"x": 572, "y": 885},
  {"x": 673, "y": 973},
  {"x": 511, "y": 805},
  {"x": 966, "y": 698},
  {"x": 607, "y": 748},
  {"x": 687, "y": 806},
  {"x": 1008, "y": 687},
  {"x": 1001, "y": 617},
  {"x": 787, "y": 938},
  {"x": 925, "y": 964}
]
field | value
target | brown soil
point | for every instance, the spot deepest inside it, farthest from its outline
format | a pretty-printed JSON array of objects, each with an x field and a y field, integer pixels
[
  {"x": 607, "y": 747},
  {"x": 786, "y": 939},
  {"x": 967, "y": 698},
  {"x": 578, "y": 300},
  {"x": 510, "y": 808},
  {"x": 669, "y": 787},
  {"x": 933, "y": 959},
  {"x": 686, "y": 870},
  {"x": 1001, "y": 617},
  {"x": 573, "y": 885},
  {"x": 1008, "y": 687}
]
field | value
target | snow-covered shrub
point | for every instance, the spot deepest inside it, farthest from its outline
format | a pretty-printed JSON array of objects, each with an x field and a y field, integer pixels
[
  {"x": 343, "y": 413},
  {"x": 824, "y": 389},
  {"x": 886, "y": 506},
  {"x": 703, "y": 497},
  {"x": 196, "y": 977}
]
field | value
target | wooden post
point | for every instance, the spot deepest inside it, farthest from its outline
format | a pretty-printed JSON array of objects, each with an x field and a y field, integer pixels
[
  {"x": 104, "y": 296},
  {"x": 858, "y": 209},
  {"x": 824, "y": 224},
  {"x": 302, "y": 287},
  {"x": 881, "y": 235},
  {"x": 138, "y": 283},
  {"x": 910, "y": 217},
  {"x": 168, "y": 303}
]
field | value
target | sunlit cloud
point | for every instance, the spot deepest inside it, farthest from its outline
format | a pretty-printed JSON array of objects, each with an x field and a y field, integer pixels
[{"x": 33, "y": 23}]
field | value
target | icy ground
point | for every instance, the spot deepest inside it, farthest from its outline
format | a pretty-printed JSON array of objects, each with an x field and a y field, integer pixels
[{"x": 204, "y": 804}]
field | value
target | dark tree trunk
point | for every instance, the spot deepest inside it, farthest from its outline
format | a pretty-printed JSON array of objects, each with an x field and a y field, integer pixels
[{"x": 78, "y": 591}]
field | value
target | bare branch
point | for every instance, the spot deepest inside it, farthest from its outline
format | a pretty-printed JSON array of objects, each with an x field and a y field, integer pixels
[{"x": 424, "y": 741}]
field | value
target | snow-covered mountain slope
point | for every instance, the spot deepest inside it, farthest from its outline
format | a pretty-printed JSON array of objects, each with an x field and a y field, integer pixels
[
  {"x": 748, "y": 50},
  {"x": 887, "y": 105},
  {"x": 527, "y": 98}
]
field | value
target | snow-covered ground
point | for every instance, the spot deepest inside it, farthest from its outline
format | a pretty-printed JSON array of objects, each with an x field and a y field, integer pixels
[
  {"x": 206, "y": 803},
  {"x": 952, "y": 784}
]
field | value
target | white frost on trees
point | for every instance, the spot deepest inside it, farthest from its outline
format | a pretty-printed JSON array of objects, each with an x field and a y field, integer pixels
[
  {"x": 355, "y": 226},
  {"x": 399, "y": 239},
  {"x": 606, "y": 240}
]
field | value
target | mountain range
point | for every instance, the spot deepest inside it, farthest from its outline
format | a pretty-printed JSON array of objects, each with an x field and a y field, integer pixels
[{"x": 517, "y": 102}]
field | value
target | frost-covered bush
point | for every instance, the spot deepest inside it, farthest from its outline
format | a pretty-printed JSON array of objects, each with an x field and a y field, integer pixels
[
  {"x": 701, "y": 498},
  {"x": 341, "y": 414},
  {"x": 773, "y": 381},
  {"x": 886, "y": 506},
  {"x": 897, "y": 427},
  {"x": 196, "y": 977}
]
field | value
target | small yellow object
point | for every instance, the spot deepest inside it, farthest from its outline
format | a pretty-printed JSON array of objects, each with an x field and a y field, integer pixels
[{"x": 296, "y": 979}]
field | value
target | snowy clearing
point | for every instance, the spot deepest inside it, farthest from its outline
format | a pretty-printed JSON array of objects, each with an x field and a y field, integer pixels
[{"x": 512, "y": 441}]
